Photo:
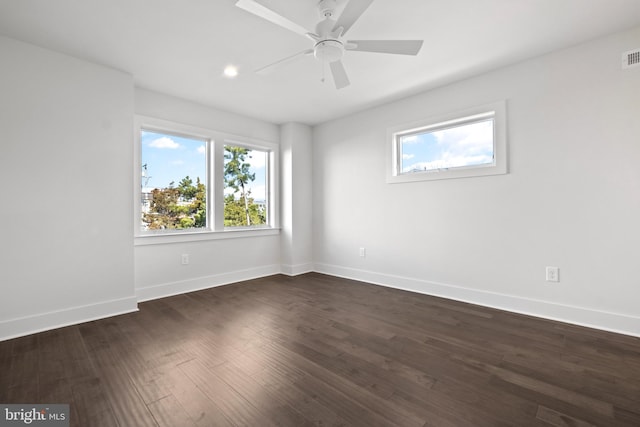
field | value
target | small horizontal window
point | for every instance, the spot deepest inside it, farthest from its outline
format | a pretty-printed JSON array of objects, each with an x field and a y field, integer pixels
[{"x": 471, "y": 143}]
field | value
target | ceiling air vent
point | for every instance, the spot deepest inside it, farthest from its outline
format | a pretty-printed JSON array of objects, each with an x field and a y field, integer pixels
[{"x": 631, "y": 58}]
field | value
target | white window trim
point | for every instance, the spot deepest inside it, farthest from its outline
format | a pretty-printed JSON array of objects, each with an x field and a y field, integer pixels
[
  {"x": 270, "y": 178},
  {"x": 496, "y": 110},
  {"x": 216, "y": 141}
]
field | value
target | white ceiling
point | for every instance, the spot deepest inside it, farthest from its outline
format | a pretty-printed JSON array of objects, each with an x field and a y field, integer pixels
[{"x": 181, "y": 47}]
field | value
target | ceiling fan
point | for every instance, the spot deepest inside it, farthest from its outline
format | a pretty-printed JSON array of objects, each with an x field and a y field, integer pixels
[{"x": 328, "y": 37}]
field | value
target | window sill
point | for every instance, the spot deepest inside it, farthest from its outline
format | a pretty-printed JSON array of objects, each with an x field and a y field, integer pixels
[
  {"x": 197, "y": 236},
  {"x": 451, "y": 173}
]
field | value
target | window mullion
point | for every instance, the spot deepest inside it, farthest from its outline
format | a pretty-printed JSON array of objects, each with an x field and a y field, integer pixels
[{"x": 216, "y": 161}]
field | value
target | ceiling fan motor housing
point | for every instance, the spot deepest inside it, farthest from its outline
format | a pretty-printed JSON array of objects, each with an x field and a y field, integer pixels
[
  {"x": 330, "y": 32},
  {"x": 326, "y": 7},
  {"x": 328, "y": 50}
]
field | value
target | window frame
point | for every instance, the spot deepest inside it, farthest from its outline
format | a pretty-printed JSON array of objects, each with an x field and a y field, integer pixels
[
  {"x": 496, "y": 111},
  {"x": 268, "y": 179},
  {"x": 215, "y": 142},
  {"x": 208, "y": 175}
]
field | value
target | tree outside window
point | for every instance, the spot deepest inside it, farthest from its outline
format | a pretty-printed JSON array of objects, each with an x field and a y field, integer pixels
[
  {"x": 175, "y": 184},
  {"x": 167, "y": 159},
  {"x": 245, "y": 189}
]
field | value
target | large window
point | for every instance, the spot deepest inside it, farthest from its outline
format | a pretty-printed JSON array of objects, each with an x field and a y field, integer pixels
[
  {"x": 193, "y": 181},
  {"x": 464, "y": 144},
  {"x": 173, "y": 193},
  {"x": 245, "y": 186}
]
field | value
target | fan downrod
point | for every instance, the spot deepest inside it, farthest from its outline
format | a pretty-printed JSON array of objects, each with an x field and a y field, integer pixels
[{"x": 327, "y": 8}]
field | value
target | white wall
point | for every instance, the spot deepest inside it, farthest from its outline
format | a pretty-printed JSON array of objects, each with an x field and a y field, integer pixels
[
  {"x": 158, "y": 268},
  {"x": 571, "y": 198},
  {"x": 66, "y": 252},
  {"x": 295, "y": 196}
]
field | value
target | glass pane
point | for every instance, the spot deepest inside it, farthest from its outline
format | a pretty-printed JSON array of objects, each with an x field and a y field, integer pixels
[
  {"x": 245, "y": 187},
  {"x": 454, "y": 147},
  {"x": 173, "y": 193}
]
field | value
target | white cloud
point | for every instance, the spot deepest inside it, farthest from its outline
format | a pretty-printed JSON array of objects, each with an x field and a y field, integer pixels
[
  {"x": 473, "y": 138},
  {"x": 449, "y": 161},
  {"x": 425, "y": 166},
  {"x": 164, "y": 142},
  {"x": 409, "y": 139},
  {"x": 466, "y": 145},
  {"x": 202, "y": 149},
  {"x": 258, "y": 192},
  {"x": 177, "y": 162},
  {"x": 257, "y": 159}
]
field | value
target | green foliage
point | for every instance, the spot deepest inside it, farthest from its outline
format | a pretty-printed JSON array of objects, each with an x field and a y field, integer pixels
[
  {"x": 185, "y": 206},
  {"x": 239, "y": 211},
  {"x": 235, "y": 214},
  {"x": 187, "y": 189},
  {"x": 200, "y": 205},
  {"x": 236, "y": 169},
  {"x": 186, "y": 222},
  {"x": 178, "y": 207}
]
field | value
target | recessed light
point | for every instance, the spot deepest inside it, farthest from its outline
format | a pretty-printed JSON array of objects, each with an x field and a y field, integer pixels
[{"x": 231, "y": 71}]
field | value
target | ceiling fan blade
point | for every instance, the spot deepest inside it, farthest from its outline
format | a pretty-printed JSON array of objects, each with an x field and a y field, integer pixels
[
  {"x": 340, "y": 77},
  {"x": 401, "y": 47},
  {"x": 267, "y": 68},
  {"x": 260, "y": 8},
  {"x": 351, "y": 13}
]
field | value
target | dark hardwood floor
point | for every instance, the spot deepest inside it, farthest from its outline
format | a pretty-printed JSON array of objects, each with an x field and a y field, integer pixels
[{"x": 318, "y": 350}]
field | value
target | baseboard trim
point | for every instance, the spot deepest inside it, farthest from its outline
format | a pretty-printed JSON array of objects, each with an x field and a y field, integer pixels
[
  {"x": 18, "y": 327},
  {"x": 297, "y": 269},
  {"x": 611, "y": 322},
  {"x": 205, "y": 282}
]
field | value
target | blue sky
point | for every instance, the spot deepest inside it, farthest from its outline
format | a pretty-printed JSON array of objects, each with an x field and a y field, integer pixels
[
  {"x": 171, "y": 158},
  {"x": 467, "y": 145}
]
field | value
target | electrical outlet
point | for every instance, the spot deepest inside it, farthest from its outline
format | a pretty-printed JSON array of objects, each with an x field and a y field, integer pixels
[
  {"x": 363, "y": 252},
  {"x": 185, "y": 259},
  {"x": 553, "y": 274}
]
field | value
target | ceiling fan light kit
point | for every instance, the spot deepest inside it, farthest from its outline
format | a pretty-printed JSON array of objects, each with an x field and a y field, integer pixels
[
  {"x": 328, "y": 50},
  {"x": 329, "y": 43}
]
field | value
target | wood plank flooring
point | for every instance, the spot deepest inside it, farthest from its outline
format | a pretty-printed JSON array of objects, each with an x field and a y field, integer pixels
[{"x": 318, "y": 350}]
